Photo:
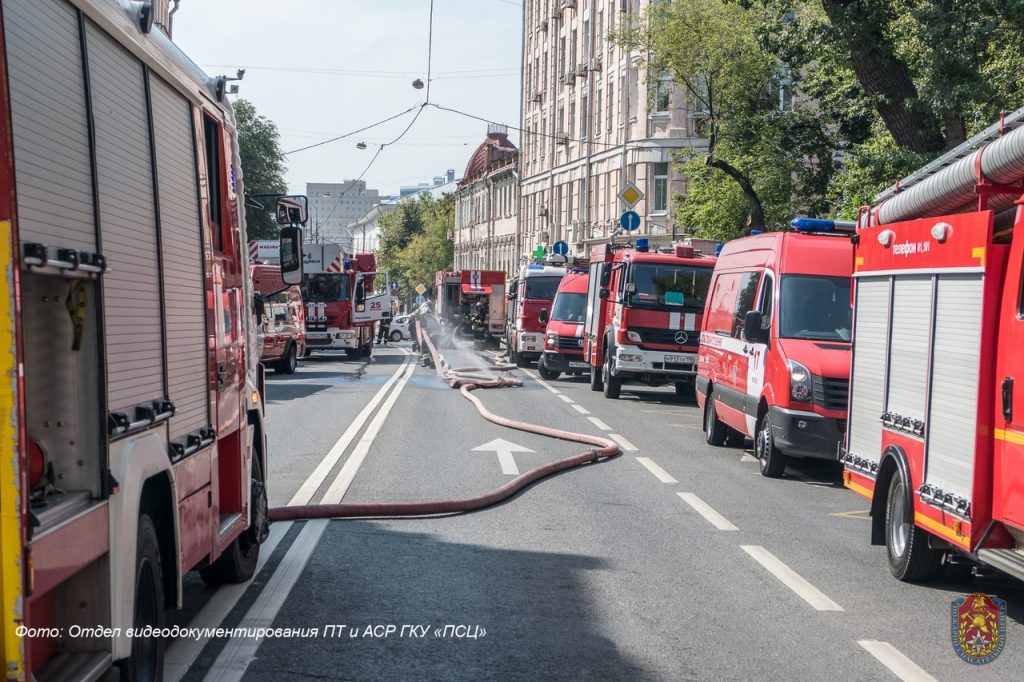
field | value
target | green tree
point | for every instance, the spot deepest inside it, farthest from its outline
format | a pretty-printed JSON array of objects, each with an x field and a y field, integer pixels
[
  {"x": 259, "y": 149},
  {"x": 415, "y": 241}
]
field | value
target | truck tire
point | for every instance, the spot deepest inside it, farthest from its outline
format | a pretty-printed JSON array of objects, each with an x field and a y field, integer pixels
[
  {"x": 769, "y": 459},
  {"x": 596, "y": 384},
  {"x": 521, "y": 361},
  {"x": 685, "y": 389},
  {"x": 238, "y": 562},
  {"x": 910, "y": 558},
  {"x": 147, "y": 659},
  {"x": 544, "y": 372},
  {"x": 715, "y": 432},
  {"x": 612, "y": 383},
  {"x": 290, "y": 361}
]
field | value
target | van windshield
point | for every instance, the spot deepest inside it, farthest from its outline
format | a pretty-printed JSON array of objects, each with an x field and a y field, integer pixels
[
  {"x": 569, "y": 307},
  {"x": 542, "y": 287},
  {"x": 325, "y": 288},
  {"x": 815, "y": 307},
  {"x": 665, "y": 286}
]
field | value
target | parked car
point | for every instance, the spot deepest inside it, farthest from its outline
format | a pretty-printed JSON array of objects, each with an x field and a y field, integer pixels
[
  {"x": 775, "y": 346},
  {"x": 400, "y": 328}
]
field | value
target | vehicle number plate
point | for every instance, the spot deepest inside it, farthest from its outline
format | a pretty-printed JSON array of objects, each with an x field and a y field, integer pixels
[
  {"x": 317, "y": 335},
  {"x": 681, "y": 359},
  {"x": 578, "y": 365}
]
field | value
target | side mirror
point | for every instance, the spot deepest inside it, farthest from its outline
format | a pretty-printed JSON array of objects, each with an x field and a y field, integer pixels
[
  {"x": 752, "y": 330},
  {"x": 291, "y": 254},
  {"x": 543, "y": 316},
  {"x": 258, "y": 308},
  {"x": 606, "y": 276},
  {"x": 604, "y": 293},
  {"x": 292, "y": 210}
]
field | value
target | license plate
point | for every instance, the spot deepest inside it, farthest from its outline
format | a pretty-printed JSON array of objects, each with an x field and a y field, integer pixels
[
  {"x": 317, "y": 335},
  {"x": 681, "y": 359},
  {"x": 578, "y": 365}
]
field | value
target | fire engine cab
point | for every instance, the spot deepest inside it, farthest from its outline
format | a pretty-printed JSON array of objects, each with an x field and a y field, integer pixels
[
  {"x": 472, "y": 301},
  {"x": 936, "y": 419},
  {"x": 131, "y": 395},
  {"x": 532, "y": 290},
  {"x": 644, "y": 312}
]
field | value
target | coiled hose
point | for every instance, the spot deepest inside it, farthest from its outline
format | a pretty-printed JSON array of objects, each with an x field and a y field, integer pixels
[{"x": 465, "y": 383}]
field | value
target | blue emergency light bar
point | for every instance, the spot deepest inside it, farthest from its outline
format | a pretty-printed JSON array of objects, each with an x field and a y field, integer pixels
[
  {"x": 643, "y": 245},
  {"x": 346, "y": 264},
  {"x": 534, "y": 266},
  {"x": 822, "y": 225}
]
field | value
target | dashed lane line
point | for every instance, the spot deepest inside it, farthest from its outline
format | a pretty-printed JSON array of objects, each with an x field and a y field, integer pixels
[
  {"x": 565, "y": 399},
  {"x": 599, "y": 424},
  {"x": 581, "y": 409},
  {"x": 658, "y": 472},
  {"x": 891, "y": 658},
  {"x": 791, "y": 579},
  {"x": 621, "y": 440},
  {"x": 705, "y": 510},
  {"x": 540, "y": 381}
]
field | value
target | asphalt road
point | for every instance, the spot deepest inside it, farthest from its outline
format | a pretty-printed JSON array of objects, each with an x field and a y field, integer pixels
[{"x": 674, "y": 561}]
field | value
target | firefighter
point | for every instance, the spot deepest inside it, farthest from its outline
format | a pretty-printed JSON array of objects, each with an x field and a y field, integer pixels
[{"x": 383, "y": 330}]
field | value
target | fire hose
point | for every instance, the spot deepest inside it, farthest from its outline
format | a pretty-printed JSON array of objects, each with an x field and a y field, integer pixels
[{"x": 466, "y": 381}]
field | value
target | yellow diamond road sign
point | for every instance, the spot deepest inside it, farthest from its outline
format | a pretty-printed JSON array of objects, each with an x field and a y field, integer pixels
[
  {"x": 630, "y": 195},
  {"x": 420, "y": 289}
]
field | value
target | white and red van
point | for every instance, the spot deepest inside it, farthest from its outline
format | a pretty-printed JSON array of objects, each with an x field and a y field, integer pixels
[
  {"x": 775, "y": 344},
  {"x": 282, "y": 322},
  {"x": 563, "y": 336}
]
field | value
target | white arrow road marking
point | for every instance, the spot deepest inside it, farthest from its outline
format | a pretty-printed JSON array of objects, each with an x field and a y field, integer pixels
[{"x": 504, "y": 450}]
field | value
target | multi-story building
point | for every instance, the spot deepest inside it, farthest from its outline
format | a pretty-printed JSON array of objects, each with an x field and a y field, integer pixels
[
  {"x": 333, "y": 205},
  {"x": 486, "y": 203},
  {"x": 594, "y": 117},
  {"x": 406, "y": 190},
  {"x": 365, "y": 231}
]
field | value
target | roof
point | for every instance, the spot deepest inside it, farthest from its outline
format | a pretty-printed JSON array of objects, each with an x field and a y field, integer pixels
[{"x": 495, "y": 150}]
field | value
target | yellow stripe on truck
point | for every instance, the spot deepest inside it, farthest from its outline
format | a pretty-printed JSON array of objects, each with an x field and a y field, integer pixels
[
  {"x": 12, "y": 605},
  {"x": 1015, "y": 437}
]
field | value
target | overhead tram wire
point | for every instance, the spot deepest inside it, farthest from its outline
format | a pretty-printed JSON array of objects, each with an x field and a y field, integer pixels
[{"x": 354, "y": 132}]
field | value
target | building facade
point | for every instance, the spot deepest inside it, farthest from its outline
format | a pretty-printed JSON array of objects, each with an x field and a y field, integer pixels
[
  {"x": 334, "y": 205},
  {"x": 486, "y": 206},
  {"x": 595, "y": 117}
]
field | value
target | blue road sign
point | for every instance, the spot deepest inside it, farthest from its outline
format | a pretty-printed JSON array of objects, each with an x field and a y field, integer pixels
[
  {"x": 630, "y": 220},
  {"x": 560, "y": 248},
  {"x": 419, "y": 299}
]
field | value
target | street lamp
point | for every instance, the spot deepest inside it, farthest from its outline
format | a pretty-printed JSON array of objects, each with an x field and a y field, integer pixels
[{"x": 418, "y": 84}]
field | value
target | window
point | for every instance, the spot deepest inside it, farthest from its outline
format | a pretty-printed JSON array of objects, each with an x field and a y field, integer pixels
[
  {"x": 572, "y": 118},
  {"x": 611, "y": 101},
  {"x": 745, "y": 300},
  {"x": 584, "y": 117},
  {"x": 561, "y": 52},
  {"x": 561, "y": 119},
  {"x": 542, "y": 287},
  {"x": 214, "y": 175},
  {"x": 325, "y": 288},
  {"x": 569, "y": 307},
  {"x": 815, "y": 307},
  {"x": 568, "y": 202},
  {"x": 765, "y": 304},
  {"x": 572, "y": 52},
  {"x": 662, "y": 93},
  {"x": 597, "y": 114},
  {"x": 663, "y": 286},
  {"x": 660, "y": 186}
]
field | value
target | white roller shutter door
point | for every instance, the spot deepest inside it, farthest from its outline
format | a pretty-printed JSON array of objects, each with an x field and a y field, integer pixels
[
  {"x": 908, "y": 354},
  {"x": 867, "y": 383}
]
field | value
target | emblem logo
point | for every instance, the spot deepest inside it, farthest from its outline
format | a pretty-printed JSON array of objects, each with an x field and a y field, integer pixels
[
  {"x": 978, "y": 625},
  {"x": 579, "y": 342},
  {"x": 681, "y": 337}
]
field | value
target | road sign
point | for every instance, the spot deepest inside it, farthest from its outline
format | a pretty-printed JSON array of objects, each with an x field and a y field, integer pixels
[
  {"x": 560, "y": 248},
  {"x": 420, "y": 300},
  {"x": 538, "y": 252},
  {"x": 630, "y": 195},
  {"x": 420, "y": 289},
  {"x": 504, "y": 450},
  {"x": 474, "y": 280},
  {"x": 630, "y": 220}
]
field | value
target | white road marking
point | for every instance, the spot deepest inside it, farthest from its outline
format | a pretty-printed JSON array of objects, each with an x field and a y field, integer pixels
[
  {"x": 540, "y": 381},
  {"x": 891, "y": 658},
  {"x": 504, "y": 449},
  {"x": 791, "y": 579},
  {"x": 748, "y": 458},
  {"x": 705, "y": 510},
  {"x": 581, "y": 409},
  {"x": 182, "y": 653},
  {"x": 621, "y": 440},
  {"x": 658, "y": 472},
  {"x": 238, "y": 652},
  {"x": 565, "y": 399},
  {"x": 599, "y": 424}
]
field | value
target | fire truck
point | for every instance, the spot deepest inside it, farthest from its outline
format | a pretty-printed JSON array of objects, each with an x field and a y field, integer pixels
[
  {"x": 936, "y": 422},
  {"x": 131, "y": 398},
  {"x": 472, "y": 301},
  {"x": 532, "y": 290},
  {"x": 644, "y": 313},
  {"x": 342, "y": 306}
]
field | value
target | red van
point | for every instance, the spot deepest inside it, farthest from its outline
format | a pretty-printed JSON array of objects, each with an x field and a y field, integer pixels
[
  {"x": 283, "y": 325},
  {"x": 563, "y": 337},
  {"x": 775, "y": 344}
]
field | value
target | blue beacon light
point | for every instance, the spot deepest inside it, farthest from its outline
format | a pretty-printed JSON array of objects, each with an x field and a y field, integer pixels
[{"x": 813, "y": 225}]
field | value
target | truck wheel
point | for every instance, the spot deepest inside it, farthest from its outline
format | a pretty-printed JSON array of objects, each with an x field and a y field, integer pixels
[
  {"x": 290, "y": 362},
  {"x": 770, "y": 460},
  {"x": 147, "y": 659},
  {"x": 521, "y": 361},
  {"x": 612, "y": 383},
  {"x": 546, "y": 373},
  {"x": 596, "y": 384},
  {"x": 396, "y": 336},
  {"x": 238, "y": 562},
  {"x": 685, "y": 390},
  {"x": 715, "y": 432},
  {"x": 910, "y": 558}
]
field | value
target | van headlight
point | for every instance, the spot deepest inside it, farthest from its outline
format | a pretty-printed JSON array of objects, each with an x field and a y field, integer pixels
[
  {"x": 552, "y": 340},
  {"x": 799, "y": 382}
]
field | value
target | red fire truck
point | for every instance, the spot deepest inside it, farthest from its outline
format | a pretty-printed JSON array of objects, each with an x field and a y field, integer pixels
[
  {"x": 532, "y": 290},
  {"x": 131, "y": 404},
  {"x": 644, "y": 312},
  {"x": 341, "y": 304},
  {"x": 472, "y": 300},
  {"x": 563, "y": 336},
  {"x": 936, "y": 421},
  {"x": 281, "y": 318}
]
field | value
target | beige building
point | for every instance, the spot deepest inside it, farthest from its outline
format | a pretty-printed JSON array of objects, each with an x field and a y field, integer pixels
[
  {"x": 595, "y": 117},
  {"x": 485, "y": 206}
]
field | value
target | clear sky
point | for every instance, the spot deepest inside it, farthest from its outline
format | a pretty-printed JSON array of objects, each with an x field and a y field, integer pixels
[{"x": 367, "y": 53}]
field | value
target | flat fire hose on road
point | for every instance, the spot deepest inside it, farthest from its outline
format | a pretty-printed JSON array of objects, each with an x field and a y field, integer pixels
[{"x": 465, "y": 383}]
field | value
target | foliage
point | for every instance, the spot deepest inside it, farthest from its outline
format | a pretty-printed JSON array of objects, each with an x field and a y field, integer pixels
[
  {"x": 259, "y": 148},
  {"x": 415, "y": 241}
]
